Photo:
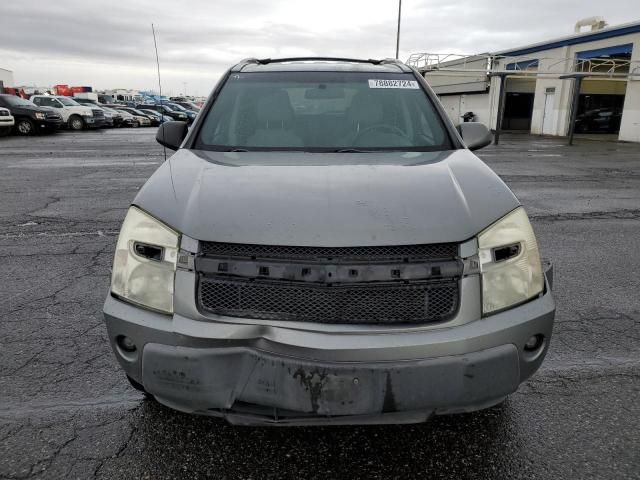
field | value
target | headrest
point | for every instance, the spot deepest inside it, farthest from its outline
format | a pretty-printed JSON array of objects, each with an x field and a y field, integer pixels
[{"x": 274, "y": 108}]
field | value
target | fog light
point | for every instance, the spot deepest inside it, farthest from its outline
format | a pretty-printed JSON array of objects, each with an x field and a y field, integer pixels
[
  {"x": 126, "y": 344},
  {"x": 534, "y": 343}
]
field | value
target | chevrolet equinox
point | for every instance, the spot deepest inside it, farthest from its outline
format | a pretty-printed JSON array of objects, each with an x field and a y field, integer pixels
[{"x": 324, "y": 248}]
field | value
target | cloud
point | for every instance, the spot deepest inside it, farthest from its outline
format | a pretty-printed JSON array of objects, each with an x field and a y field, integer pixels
[{"x": 109, "y": 44}]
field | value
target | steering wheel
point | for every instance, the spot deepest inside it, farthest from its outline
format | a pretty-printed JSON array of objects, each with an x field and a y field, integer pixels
[{"x": 382, "y": 127}]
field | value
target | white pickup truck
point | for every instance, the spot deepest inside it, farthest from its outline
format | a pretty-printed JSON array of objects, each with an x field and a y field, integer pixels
[
  {"x": 74, "y": 115},
  {"x": 6, "y": 121}
]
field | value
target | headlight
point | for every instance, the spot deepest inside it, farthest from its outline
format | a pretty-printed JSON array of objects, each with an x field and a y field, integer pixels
[
  {"x": 145, "y": 262},
  {"x": 509, "y": 262},
  {"x": 40, "y": 116}
]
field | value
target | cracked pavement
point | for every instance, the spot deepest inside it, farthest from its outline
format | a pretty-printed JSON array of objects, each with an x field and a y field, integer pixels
[{"x": 66, "y": 410}]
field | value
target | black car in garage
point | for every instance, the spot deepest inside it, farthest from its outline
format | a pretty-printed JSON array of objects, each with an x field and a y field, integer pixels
[{"x": 599, "y": 120}]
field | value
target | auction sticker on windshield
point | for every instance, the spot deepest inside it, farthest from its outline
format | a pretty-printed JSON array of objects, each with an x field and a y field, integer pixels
[{"x": 393, "y": 84}]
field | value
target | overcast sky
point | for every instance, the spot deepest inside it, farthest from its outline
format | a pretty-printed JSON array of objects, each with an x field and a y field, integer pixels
[{"x": 109, "y": 44}]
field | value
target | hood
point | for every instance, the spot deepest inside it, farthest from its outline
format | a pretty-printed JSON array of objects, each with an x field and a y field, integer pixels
[
  {"x": 81, "y": 109},
  {"x": 319, "y": 199},
  {"x": 32, "y": 108}
]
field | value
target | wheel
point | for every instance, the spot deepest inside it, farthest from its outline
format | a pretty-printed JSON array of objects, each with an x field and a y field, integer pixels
[
  {"x": 135, "y": 124},
  {"x": 139, "y": 387},
  {"x": 76, "y": 123},
  {"x": 24, "y": 126}
]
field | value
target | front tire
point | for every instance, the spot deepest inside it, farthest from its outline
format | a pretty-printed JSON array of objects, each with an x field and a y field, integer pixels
[
  {"x": 76, "y": 123},
  {"x": 25, "y": 126},
  {"x": 139, "y": 387}
]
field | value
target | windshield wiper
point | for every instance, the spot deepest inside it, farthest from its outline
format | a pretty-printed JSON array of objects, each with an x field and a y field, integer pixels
[
  {"x": 350, "y": 150},
  {"x": 236, "y": 150}
]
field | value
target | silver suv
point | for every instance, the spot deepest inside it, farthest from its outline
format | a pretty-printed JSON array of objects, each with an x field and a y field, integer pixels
[{"x": 324, "y": 247}]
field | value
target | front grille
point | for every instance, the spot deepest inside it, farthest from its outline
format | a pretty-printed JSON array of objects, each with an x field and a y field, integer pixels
[
  {"x": 388, "y": 303},
  {"x": 373, "y": 253},
  {"x": 97, "y": 113},
  {"x": 4, "y": 113}
]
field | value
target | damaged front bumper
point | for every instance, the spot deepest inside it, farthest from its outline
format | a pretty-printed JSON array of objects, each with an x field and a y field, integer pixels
[{"x": 259, "y": 374}]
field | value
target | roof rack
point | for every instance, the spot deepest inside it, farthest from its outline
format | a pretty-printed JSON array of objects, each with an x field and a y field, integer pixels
[{"x": 267, "y": 61}]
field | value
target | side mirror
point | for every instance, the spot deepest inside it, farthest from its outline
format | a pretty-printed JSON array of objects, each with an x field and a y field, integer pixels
[
  {"x": 171, "y": 134},
  {"x": 475, "y": 135}
]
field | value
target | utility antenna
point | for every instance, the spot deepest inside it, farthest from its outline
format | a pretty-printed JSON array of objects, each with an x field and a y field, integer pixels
[
  {"x": 398, "y": 34},
  {"x": 155, "y": 44}
]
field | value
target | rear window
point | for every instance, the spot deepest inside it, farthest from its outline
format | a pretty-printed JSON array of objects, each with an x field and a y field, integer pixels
[{"x": 322, "y": 111}]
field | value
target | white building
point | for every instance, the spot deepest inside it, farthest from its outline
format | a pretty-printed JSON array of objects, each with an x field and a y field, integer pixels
[
  {"x": 540, "y": 82},
  {"x": 6, "y": 78},
  {"x": 124, "y": 94}
]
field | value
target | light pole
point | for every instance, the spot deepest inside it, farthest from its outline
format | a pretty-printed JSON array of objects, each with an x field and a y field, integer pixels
[{"x": 398, "y": 35}]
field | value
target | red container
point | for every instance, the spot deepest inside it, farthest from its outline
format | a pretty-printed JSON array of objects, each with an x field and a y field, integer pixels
[
  {"x": 16, "y": 91},
  {"x": 62, "y": 90},
  {"x": 81, "y": 89}
]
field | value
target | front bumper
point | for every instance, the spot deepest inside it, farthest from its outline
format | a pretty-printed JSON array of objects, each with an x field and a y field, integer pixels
[
  {"x": 49, "y": 124},
  {"x": 94, "y": 122},
  {"x": 257, "y": 374}
]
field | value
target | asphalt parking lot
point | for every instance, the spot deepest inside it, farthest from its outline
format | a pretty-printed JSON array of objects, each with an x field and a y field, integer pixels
[{"x": 66, "y": 410}]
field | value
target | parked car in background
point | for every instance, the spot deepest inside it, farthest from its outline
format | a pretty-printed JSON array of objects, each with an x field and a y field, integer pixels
[
  {"x": 187, "y": 104},
  {"x": 336, "y": 253},
  {"x": 29, "y": 117},
  {"x": 6, "y": 121},
  {"x": 142, "y": 119},
  {"x": 111, "y": 119},
  {"x": 191, "y": 115},
  {"x": 175, "y": 115},
  {"x": 137, "y": 113},
  {"x": 128, "y": 120},
  {"x": 118, "y": 119},
  {"x": 160, "y": 118},
  {"x": 74, "y": 115}
]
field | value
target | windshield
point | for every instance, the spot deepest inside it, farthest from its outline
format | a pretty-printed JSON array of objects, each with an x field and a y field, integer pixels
[
  {"x": 18, "y": 101},
  {"x": 322, "y": 111},
  {"x": 68, "y": 102}
]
